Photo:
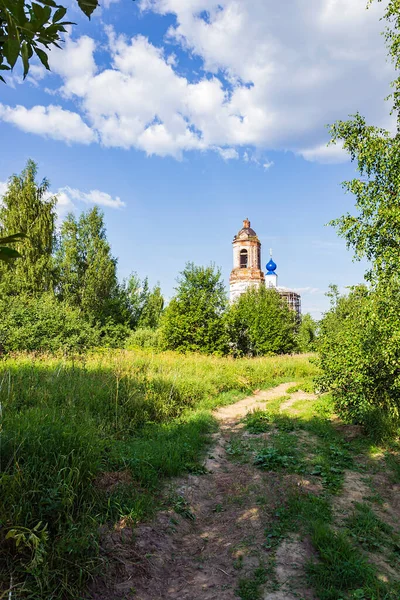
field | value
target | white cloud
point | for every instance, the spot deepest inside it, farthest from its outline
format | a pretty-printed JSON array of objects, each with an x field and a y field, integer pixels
[
  {"x": 273, "y": 75},
  {"x": 51, "y": 121},
  {"x": 68, "y": 199},
  {"x": 67, "y": 195},
  {"x": 228, "y": 153},
  {"x": 334, "y": 153},
  {"x": 267, "y": 165}
]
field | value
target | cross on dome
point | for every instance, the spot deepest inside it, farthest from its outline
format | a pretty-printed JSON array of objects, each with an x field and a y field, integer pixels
[{"x": 271, "y": 265}]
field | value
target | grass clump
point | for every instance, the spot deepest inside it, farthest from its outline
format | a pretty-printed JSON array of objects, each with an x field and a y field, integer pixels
[
  {"x": 367, "y": 529},
  {"x": 340, "y": 569},
  {"x": 250, "y": 588}
]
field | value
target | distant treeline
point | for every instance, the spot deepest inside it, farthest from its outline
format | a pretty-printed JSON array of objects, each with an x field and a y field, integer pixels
[{"x": 64, "y": 294}]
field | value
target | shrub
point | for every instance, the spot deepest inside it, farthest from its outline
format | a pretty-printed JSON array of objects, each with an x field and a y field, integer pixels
[
  {"x": 144, "y": 337},
  {"x": 359, "y": 354},
  {"x": 194, "y": 319},
  {"x": 306, "y": 337},
  {"x": 260, "y": 323},
  {"x": 44, "y": 324}
]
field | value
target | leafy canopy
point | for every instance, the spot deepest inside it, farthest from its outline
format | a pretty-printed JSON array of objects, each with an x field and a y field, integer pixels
[
  {"x": 194, "y": 319},
  {"x": 27, "y": 207},
  {"x": 86, "y": 270},
  {"x": 260, "y": 322},
  {"x": 33, "y": 27},
  {"x": 360, "y": 335}
]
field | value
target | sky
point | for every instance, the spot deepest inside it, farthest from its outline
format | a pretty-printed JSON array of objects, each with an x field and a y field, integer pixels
[{"x": 181, "y": 118}]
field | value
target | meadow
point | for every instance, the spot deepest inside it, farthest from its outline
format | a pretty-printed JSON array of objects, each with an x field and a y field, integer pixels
[{"x": 91, "y": 439}]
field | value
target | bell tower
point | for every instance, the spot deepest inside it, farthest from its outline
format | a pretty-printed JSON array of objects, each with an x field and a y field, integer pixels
[{"x": 246, "y": 270}]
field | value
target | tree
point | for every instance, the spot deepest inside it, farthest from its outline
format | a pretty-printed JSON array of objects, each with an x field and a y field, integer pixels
[
  {"x": 359, "y": 353},
  {"x": 194, "y": 319},
  {"x": 28, "y": 27},
  {"x": 27, "y": 207},
  {"x": 360, "y": 335},
  {"x": 374, "y": 233},
  {"x": 152, "y": 309},
  {"x": 306, "y": 337},
  {"x": 260, "y": 323},
  {"x": 87, "y": 272}
]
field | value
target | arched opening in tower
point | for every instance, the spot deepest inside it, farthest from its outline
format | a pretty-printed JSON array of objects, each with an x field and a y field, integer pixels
[{"x": 243, "y": 259}]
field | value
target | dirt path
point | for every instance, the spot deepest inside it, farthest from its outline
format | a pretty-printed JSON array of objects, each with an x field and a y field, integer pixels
[
  {"x": 217, "y": 542},
  {"x": 221, "y": 538}
]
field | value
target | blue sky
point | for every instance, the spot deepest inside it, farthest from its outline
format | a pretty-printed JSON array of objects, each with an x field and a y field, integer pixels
[{"x": 180, "y": 118}]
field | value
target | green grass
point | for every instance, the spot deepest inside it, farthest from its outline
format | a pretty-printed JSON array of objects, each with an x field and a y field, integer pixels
[
  {"x": 328, "y": 457},
  {"x": 340, "y": 569},
  {"x": 67, "y": 422},
  {"x": 368, "y": 530},
  {"x": 250, "y": 588}
]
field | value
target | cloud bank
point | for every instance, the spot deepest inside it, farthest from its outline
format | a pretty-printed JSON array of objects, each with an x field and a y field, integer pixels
[{"x": 273, "y": 75}]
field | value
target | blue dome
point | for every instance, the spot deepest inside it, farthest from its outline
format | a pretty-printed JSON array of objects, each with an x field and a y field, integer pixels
[{"x": 271, "y": 266}]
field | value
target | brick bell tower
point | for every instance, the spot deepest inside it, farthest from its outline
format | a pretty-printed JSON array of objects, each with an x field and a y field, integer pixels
[{"x": 246, "y": 270}]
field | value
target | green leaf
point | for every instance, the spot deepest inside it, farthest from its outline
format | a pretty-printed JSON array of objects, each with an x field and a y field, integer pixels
[
  {"x": 25, "y": 58},
  {"x": 11, "y": 51},
  {"x": 7, "y": 254},
  {"x": 42, "y": 14},
  {"x": 59, "y": 14},
  {"x": 43, "y": 58},
  {"x": 88, "y": 6}
]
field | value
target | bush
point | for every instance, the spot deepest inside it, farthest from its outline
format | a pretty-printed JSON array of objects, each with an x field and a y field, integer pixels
[
  {"x": 306, "y": 337},
  {"x": 260, "y": 323},
  {"x": 44, "y": 324},
  {"x": 194, "y": 319},
  {"x": 144, "y": 337},
  {"x": 359, "y": 350}
]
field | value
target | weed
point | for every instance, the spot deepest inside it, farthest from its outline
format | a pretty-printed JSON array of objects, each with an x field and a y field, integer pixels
[
  {"x": 367, "y": 529},
  {"x": 258, "y": 421},
  {"x": 392, "y": 458},
  {"x": 250, "y": 588},
  {"x": 307, "y": 385},
  {"x": 340, "y": 568},
  {"x": 271, "y": 459},
  {"x": 182, "y": 507}
]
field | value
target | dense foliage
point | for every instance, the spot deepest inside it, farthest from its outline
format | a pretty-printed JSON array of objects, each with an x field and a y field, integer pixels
[
  {"x": 59, "y": 289},
  {"x": 307, "y": 334},
  {"x": 360, "y": 335},
  {"x": 359, "y": 349},
  {"x": 194, "y": 319},
  {"x": 261, "y": 323},
  {"x": 28, "y": 28},
  {"x": 86, "y": 270}
]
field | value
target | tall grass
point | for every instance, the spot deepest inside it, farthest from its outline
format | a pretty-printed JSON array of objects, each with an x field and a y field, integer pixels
[{"x": 67, "y": 421}]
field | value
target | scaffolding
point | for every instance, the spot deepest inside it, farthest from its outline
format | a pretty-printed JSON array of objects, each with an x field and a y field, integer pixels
[{"x": 292, "y": 298}]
